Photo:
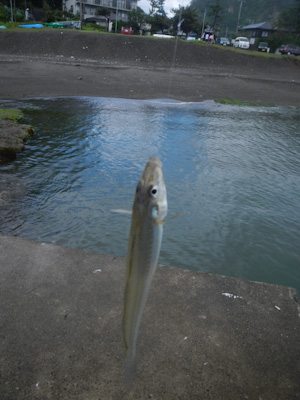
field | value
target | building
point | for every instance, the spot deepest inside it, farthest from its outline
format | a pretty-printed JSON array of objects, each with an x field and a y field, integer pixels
[
  {"x": 260, "y": 31},
  {"x": 118, "y": 8},
  {"x": 101, "y": 21}
]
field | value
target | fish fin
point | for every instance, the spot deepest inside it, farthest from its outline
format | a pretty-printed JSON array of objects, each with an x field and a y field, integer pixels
[
  {"x": 161, "y": 222},
  {"x": 130, "y": 370},
  {"x": 120, "y": 211},
  {"x": 175, "y": 216}
]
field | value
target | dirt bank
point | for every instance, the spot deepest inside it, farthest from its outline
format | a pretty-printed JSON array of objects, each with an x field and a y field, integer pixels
[{"x": 71, "y": 63}]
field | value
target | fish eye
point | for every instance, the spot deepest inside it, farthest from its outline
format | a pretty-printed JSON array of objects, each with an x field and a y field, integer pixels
[{"x": 153, "y": 191}]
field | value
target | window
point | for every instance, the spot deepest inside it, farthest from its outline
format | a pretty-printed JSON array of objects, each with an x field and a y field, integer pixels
[{"x": 264, "y": 34}]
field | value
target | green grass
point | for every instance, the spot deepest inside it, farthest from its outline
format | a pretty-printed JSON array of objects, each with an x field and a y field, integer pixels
[
  {"x": 248, "y": 52},
  {"x": 240, "y": 103},
  {"x": 16, "y": 28},
  {"x": 13, "y": 115},
  {"x": 10, "y": 25},
  {"x": 93, "y": 28}
]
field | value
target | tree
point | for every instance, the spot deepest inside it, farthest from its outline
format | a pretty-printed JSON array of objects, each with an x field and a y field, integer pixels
[
  {"x": 103, "y": 11},
  {"x": 289, "y": 24},
  {"x": 216, "y": 13},
  {"x": 160, "y": 8},
  {"x": 54, "y": 4},
  {"x": 159, "y": 23},
  {"x": 191, "y": 19},
  {"x": 253, "y": 11},
  {"x": 158, "y": 17},
  {"x": 157, "y": 8},
  {"x": 153, "y": 5},
  {"x": 289, "y": 19},
  {"x": 4, "y": 16},
  {"x": 136, "y": 18},
  {"x": 49, "y": 14},
  {"x": 298, "y": 19}
]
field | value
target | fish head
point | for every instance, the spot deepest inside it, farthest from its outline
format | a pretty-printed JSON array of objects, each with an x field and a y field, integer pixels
[{"x": 151, "y": 194}]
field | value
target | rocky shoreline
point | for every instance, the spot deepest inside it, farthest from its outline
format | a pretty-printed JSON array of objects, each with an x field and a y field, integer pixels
[{"x": 13, "y": 135}]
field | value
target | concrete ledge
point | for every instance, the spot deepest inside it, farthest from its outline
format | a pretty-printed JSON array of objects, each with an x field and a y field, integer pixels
[{"x": 203, "y": 336}]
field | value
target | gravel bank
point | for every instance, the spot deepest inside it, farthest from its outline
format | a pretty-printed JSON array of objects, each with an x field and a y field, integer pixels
[{"x": 51, "y": 63}]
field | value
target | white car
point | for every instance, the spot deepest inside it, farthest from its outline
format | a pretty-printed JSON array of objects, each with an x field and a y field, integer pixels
[
  {"x": 163, "y": 36},
  {"x": 241, "y": 42}
]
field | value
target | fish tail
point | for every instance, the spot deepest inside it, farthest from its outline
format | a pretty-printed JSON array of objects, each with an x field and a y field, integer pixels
[{"x": 130, "y": 370}]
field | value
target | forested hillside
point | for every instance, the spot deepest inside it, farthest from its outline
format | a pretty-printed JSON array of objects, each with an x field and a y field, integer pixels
[{"x": 252, "y": 11}]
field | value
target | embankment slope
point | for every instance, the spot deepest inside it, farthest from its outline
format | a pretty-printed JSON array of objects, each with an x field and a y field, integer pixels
[{"x": 72, "y": 63}]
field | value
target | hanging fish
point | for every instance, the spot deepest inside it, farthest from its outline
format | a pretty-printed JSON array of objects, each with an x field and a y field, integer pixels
[{"x": 148, "y": 213}]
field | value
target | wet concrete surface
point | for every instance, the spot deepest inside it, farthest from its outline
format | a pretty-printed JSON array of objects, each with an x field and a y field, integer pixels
[{"x": 202, "y": 336}]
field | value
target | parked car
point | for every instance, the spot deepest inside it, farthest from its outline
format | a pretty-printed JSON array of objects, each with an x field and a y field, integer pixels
[
  {"x": 289, "y": 49},
  {"x": 223, "y": 41},
  {"x": 241, "y": 42},
  {"x": 126, "y": 30},
  {"x": 192, "y": 36},
  {"x": 163, "y": 36},
  {"x": 263, "y": 46}
]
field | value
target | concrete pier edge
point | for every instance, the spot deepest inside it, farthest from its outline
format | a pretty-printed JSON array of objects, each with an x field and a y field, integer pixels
[{"x": 202, "y": 336}]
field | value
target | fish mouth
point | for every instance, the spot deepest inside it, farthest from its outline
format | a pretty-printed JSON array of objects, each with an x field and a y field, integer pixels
[{"x": 155, "y": 161}]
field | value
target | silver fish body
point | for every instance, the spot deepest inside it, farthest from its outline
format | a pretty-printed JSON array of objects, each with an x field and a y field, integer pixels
[{"x": 148, "y": 213}]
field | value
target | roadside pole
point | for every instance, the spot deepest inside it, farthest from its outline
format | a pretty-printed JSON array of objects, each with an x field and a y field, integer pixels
[
  {"x": 116, "y": 23},
  {"x": 238, "y": 21},
  {"x": 81, "y": 14},
  {"x": 204, "y": 16},
  {"x": 11, "y": 12}
]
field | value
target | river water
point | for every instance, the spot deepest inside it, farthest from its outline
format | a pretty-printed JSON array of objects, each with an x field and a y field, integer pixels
[{"x": 233, "y": 171}]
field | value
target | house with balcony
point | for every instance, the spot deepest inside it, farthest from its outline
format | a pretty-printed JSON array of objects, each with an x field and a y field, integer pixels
[{"x": 118, "y": 8}]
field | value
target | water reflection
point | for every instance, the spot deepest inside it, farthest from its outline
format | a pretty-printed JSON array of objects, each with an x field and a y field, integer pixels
[{"x": 233, "y": 171}]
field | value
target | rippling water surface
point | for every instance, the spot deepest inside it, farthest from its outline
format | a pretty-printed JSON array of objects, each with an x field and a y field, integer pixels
[{"x": 233, "y": 171}]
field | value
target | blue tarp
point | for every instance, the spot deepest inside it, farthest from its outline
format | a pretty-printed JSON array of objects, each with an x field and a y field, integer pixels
[{"x": 32, "y": 26}]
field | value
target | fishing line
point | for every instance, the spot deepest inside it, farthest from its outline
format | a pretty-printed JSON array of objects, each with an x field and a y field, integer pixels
[{"x": 174, "y": 55}]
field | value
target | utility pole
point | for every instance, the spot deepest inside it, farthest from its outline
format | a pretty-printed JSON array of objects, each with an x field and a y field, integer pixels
[
  {"x": 11, "y": 12},
  {"x": 116, "y": 23},
  {"x": 203, "y": 23},
  {"x": 81, "y": 14},
  {"x": 238, "y": 21}
]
